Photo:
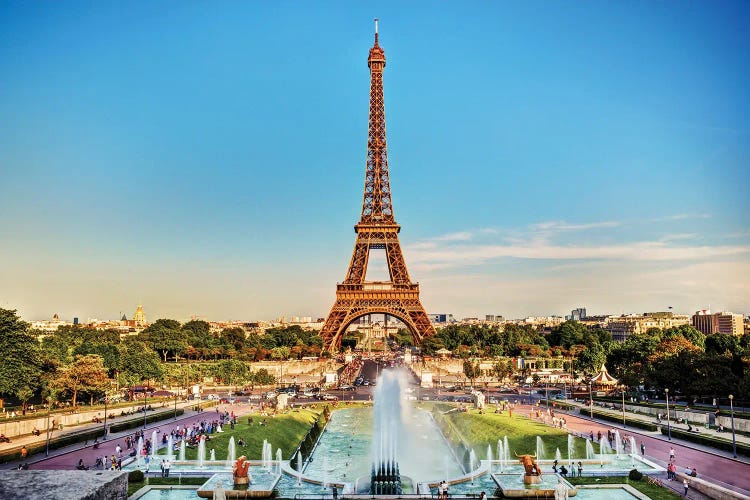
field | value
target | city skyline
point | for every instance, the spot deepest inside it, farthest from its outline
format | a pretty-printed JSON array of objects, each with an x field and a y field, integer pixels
[{"x": 208, "y": 161}]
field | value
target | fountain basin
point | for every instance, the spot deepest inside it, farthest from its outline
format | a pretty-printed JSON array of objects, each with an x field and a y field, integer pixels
[
  {"x": 512, "y": 485},
  {"x": 260, "y": 486}
]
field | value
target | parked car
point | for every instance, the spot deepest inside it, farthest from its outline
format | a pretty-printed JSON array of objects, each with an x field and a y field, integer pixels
[{"x": 212, "y": 397}]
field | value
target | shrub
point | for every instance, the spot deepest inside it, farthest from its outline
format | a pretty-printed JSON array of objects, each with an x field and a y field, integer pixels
[
  {"x": 635, "y": 475},
  {"x": 135, "y": 476}
]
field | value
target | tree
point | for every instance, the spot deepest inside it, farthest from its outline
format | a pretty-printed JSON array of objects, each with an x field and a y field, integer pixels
[
  {"x": 471, "y": 370},
  {"x": 138, "y": 362},
  {"x": 232, "y": 370},
  {"x": 84, "y": 374},
  {"x": 165, "y": 336},
  {"x": 20, "y": 365}
]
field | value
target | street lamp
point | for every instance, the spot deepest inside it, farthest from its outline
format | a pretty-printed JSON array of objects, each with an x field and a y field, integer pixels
[
  {"x": 669, "y": 428},
  {"x": 105, "y": 416},
  {"x": 731, "y": 412},
  {"x": 175, "y": 405},
  {"x": 49, "y": 412},
  {"x": 623, "y": 407},
  {"x": 546, "y": 394},
  {"x": 591, "y": 402},
  {"x": 145, "y": 403}
]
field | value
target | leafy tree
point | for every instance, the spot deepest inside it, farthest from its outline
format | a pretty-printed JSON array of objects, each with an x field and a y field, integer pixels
[
  {"x": 235, "y": 337},
  {"x": 262, "y": 377},
  {"x": 138, "y": 362},
  {"x": 722, "y": 344},
  {"x": 165, "y": 336},
  {"x": 232, "y": 370},
  {"x": 471, "y": 370},
  {"x": 84, "y": 374},
  {"x": 20, "y": 366}
]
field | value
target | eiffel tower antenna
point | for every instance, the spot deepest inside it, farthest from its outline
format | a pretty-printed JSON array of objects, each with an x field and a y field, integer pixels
[{"x": 376, "y": 229}]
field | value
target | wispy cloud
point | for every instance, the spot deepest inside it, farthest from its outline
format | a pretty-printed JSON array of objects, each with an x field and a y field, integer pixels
[
  {"x": 680, "y": 217},
  {"x": 566, "y": 226},
  {"x": 538, "y": 242},
  {"x": 460, "y": 236}
]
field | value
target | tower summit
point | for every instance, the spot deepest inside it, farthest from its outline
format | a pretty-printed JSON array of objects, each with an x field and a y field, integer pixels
[{"x": 376, "y": 229}]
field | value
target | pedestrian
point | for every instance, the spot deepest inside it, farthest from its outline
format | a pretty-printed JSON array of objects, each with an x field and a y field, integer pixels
[
  {"x": 167, "y": 465},
  {"x": 24, "y": 452},
  {"x": 162, "y": 467},
  {"x": 643, "y": 449},
  {"x": 580, "y": 469},
  {"x": 147, "y": 460},
  {"x": 671, "y": 453},
  {"x": 118, "y": 450},
  {"x": 335, "y": 492},
  {"x": 686, "y": 486},
  {"x": 482, "y": 496}
]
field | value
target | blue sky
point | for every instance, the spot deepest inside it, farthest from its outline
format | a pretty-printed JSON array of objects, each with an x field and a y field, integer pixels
[{"x": 208, "y": 158}]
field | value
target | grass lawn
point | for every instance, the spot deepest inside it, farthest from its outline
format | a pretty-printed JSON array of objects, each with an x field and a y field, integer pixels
[
  {"x": 479, "y": 430},
  {"x": 283, "y": 431},
  {"x": 651, "y": 490},
  {"x": 173, "y": 481}
]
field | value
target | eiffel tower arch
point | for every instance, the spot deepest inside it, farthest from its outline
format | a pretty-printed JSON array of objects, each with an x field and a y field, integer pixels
[{"x": 376, "y": 230}]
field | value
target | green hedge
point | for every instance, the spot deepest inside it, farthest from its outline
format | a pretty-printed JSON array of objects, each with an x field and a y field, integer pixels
[
  {"x": 617, "y": 418},
  {"x": 137, "y": 422},
  {"x": 708, "y": 438},
  {"x": 58, "y": 442}
]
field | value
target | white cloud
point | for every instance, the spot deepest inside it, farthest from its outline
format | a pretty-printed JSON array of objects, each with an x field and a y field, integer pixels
[{"x": 566, "y": 226}]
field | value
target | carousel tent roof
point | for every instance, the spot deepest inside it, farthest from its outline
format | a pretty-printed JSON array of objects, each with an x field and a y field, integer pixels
[{"x": 604, "y": 378}]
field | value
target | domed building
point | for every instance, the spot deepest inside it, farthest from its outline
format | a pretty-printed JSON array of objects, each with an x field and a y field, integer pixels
[{"x": 139, "y": 316}]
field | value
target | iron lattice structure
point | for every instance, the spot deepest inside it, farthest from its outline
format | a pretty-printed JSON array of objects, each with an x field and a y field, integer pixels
[{"x": 377, "y": 229}]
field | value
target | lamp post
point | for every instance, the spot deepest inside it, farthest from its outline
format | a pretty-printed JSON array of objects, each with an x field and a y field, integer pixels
[
  {"x": 145, "y": 402},
  {"x": 591, "y": 402},
  {"x": 546, "y": 394},
  {"x": 731, "y": 413},
  {"x": 669, "y": 427},
  {"x": 175, "y": 405},
  {"x": 623, "y": 407},
  {"x": 105, "y": 416},
  {"x": 49, "y": 412}
]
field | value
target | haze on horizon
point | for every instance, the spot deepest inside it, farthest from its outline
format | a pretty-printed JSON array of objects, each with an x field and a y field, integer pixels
[{"x": 208, "y": 160}]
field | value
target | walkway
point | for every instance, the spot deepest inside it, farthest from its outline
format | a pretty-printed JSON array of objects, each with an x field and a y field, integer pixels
[
  {"x": 67, "y": 457},
  {"x": 713, "y": 465}
]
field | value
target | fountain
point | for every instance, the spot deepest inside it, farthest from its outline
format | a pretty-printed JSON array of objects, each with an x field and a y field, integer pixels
[
  {"x": 201, "y": 451},
  {"x": 182, "y": 450},
  {"x": 618, "y": 444},
  {"x": 139, "y": 452},
  {"x": 472, "y": 461},
  {"x": 278, "y": 461},
  {"x": 489, "y": 453},
  {"x": 154, "y": 444},
  {"x": 540, "y": 452},
  {"x": 633, "y": 452},
  {"x": 170, "y": 447},
  {"x": 213, "y": 455},
  {"x": 558, "y": 455},
  {"x": 589, "y": 450},
  {"x": 230, "y": 452},
  {"x": 571, "y": 447},
  {"x": 299, "y": 468},
  {"x": 501, "y": 454},
  {"x": 385, "y": 476}
]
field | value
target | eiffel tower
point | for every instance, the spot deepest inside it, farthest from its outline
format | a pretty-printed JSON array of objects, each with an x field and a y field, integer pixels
[{"x": 376, "y": 229}]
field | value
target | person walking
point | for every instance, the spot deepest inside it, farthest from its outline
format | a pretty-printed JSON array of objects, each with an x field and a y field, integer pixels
[
  {"x": 643, "y": 449},
  {"x": 685, "y": 486},
  {"x": 671, "y": 453},
  {"x": 167, "y": 466}
]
